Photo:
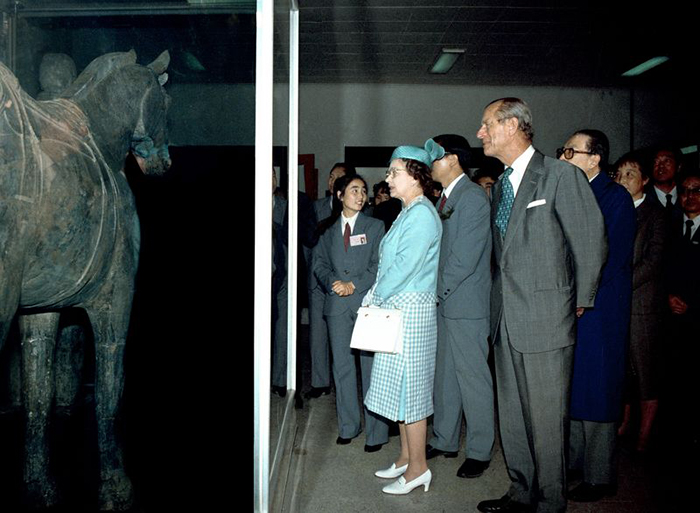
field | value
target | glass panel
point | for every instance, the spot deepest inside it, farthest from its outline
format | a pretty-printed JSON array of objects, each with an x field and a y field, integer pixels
[{"x": 183, "y": 346}]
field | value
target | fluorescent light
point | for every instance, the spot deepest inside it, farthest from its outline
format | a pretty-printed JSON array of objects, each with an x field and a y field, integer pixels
[
  {"x": 689, "y": 149},
  {"x": 645, "y": 66},
  {"x": 446, "y": 60}
]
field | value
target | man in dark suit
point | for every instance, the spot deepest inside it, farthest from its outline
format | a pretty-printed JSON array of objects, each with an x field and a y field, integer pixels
[
  {"x": 603, "y": 331},
  {"x": 463, "y": 381},
  {"x": 549, "y": 248},
  {"x": 318, "y": 331},
  {"x": 683, "y": 284},
  {"x": 662, "y": 189}
]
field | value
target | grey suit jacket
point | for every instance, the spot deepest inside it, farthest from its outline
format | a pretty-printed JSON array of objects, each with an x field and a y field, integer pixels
[
  {"x": 551, "y": 258},
  {"x": 358, "y": 265},
  {"x": 650, "y": 243},
  {"x": 464, "y": 273},
  {"x": 322, "y": 209}
]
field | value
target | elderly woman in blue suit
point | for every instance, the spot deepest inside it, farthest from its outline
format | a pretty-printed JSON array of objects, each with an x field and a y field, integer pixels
[
  {"x": 402, "y": 384},
  {"x": 345, "y": 264}
]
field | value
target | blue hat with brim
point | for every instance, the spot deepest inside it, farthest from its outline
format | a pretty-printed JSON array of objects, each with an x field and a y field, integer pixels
[{"x": 431, "y": 152}]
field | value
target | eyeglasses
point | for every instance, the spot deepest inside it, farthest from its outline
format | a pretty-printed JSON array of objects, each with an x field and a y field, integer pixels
[
  {"x": 692, "y": 191},
  {"x": 570, "y": 152},
  {"x": 393, "y": 171}
]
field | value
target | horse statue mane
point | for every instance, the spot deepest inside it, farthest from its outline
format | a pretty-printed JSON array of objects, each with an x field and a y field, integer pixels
[{"x": 70, "y": 238}]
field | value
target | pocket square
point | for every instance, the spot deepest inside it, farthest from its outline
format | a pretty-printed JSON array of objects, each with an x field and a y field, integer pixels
[{"x": 536, "y": 203}]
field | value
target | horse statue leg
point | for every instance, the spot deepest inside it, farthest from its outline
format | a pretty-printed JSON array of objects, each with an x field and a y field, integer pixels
[
  {"x": 70, "y": 357},
  {"x": 38, "y": 334},
  {"x": 110, "y": 322}
]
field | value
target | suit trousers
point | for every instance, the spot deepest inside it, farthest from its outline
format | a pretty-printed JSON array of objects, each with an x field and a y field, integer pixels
[
  {"x": 463, "y": 384},
  {"x": 279, "y": 340},
  {"x": 533, "y": 403},
  {"x": 348, "y": 404},
  {"x": 591, "y": 449},
  {"x": 318, "y": 340}
]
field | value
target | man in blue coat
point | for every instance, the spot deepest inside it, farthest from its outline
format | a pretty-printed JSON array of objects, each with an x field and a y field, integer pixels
[{"x": 602, "y": 331}]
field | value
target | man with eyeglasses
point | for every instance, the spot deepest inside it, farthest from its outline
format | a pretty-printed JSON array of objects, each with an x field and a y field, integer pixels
[
  {"x": 602, "y": 331},
  {"x": 549, "y": 248},
  {"x": 684, "y": 328}
]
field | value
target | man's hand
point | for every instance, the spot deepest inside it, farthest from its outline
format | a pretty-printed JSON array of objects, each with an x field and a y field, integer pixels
[
  {"x": 677, "y": 305},
  {"x": 343, "y": 288}
]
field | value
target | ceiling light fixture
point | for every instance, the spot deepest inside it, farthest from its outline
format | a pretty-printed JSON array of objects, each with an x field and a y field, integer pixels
[
  {"x": 645, "y": 66},
  {"x": 446, "y": 59}
]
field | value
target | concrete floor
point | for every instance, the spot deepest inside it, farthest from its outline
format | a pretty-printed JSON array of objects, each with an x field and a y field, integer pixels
[{"x": 325, "y": 477}]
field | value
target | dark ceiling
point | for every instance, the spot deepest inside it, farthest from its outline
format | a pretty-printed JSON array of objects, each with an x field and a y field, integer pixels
[{"x": 531, "y": 42}]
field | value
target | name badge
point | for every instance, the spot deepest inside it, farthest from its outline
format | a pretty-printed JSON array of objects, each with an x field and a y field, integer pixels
[{"x": 358, "y": 240}]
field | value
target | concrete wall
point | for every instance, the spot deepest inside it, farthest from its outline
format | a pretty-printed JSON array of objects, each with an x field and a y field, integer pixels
[{"x": 333, "y": 116}]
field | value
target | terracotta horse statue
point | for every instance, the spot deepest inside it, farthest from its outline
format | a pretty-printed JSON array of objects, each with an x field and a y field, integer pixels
[{"x": 69, "y": 238}]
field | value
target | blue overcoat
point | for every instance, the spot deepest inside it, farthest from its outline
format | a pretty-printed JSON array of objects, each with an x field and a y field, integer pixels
[{"x": 602, "y": 332}]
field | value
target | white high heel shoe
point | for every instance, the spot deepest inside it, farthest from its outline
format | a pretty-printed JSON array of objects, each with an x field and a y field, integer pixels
[
  {"x": 391, "y": 472},
  {"x": 401, "y": 487}
]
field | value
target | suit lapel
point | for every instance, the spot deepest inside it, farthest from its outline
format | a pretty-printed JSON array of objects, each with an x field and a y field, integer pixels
[{"x": 525, "y": 194}]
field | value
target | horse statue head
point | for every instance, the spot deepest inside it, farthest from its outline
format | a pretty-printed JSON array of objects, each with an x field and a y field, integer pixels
[{"x": 127, "y": 107}]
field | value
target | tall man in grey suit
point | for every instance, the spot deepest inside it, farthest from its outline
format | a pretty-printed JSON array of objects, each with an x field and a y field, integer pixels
[
  {"x": 318, "y": 330},
  {"x": 549, "y": 248},
  {"x": 463, "y": 381}
]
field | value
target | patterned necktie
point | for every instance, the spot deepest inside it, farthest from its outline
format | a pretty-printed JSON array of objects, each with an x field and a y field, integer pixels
[
  {"x": 506, "y": 203},
  {"x": 443, "y": 200},
  {"x": 669, "y": 201},
  {"x": 346, "y": 236},
  {"x": 688, "y": 230}
]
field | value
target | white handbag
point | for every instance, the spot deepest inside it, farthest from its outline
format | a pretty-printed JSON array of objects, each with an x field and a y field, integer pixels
[{"x": 379, "y": 330}]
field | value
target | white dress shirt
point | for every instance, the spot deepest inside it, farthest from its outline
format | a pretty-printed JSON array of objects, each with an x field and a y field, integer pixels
[
  {"x": 696, "y": 223},
  {"x": 446, "y": 192},
  {"x": 519, "y": 166},
  {"x": 662, "y": 195},
  {"x": 346, "y": 220}
]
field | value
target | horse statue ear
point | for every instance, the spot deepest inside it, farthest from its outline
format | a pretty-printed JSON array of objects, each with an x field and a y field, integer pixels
[{"x": 161, "y": 63}]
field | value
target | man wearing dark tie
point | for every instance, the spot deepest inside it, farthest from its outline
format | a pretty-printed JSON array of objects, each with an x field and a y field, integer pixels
[
  {"x": 683, "y": 283},
  {"x": 463, "y": 382},
  {"x": 549, "y": 248},
  {"x": 665, "y": 171}
]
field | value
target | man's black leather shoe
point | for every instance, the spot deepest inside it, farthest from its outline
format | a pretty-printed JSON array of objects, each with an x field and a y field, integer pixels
[
  {"x": 587, "y": 492},
  {"x": 342, "y": 441},
  {"x": 503, "y": 505},
  {"x": 373, "y": 448},
  {"x": 472, "y": 468},
  {"x": 431, "y": 452},
  {"x": 315, "y": 393}
]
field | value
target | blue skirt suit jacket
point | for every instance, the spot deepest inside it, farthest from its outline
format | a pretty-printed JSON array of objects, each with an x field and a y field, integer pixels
[{"x": 402, "y": 384}]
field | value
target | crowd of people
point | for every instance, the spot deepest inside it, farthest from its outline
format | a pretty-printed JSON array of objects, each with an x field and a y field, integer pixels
[{"x": 559, "y": 293}]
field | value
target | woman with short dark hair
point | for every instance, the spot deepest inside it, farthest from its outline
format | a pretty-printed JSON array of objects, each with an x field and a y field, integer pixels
[{"x": 648, "y": 299}]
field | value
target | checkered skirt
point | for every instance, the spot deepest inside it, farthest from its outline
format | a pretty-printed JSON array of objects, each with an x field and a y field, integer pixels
[{"x": 416, "y": 364}]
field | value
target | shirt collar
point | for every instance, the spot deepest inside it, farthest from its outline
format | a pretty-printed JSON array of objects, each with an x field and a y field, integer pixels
[
  {"x": 662, "y": 195},
  {"x": 352, "y": 220},
  {"x": 519, "y": 166},
  {"x": 448, "y": 190}
]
